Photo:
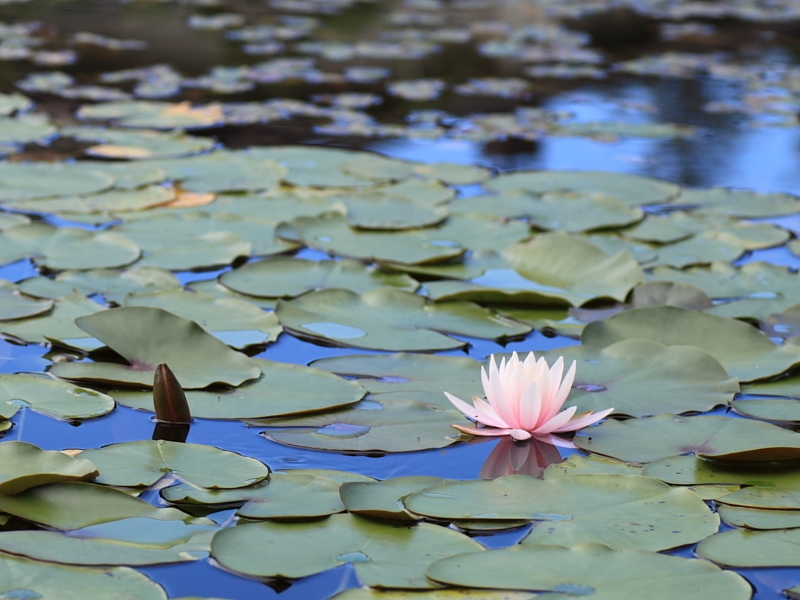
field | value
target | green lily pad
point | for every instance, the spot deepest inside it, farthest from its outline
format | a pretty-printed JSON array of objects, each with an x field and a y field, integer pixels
[
  {"x": 25, "y": 466},
  {"x": 420, "y": 377},
  {"x": 769, "y": 409},
  {"x": 339, "y": 477},
  {"x": 740, "y": 203},
  {"x": 784, "y": 324},
  {"x": 11, "y": 103},
  {"x": 744, "y": 351},
  {"x": 111, "y": 284},
  {"x": 570, "y": 212},
  {"x": 140, "y": 464},
  {"x": 127, "y": 175},
  {"x": 577, "y": 464},
  {"x": 642, "y": 378},
  {"x": 719, "y": 438},
  {"x": 58, "y": 324},
  {"x": 70, "y": 506},
  {"x": 389, "y": 319},
  {"x": 214, "y": 289},
  {"x": 382, "y": 555},
  {"x": 141, "y": 144},
  {"x": 9, "y": 220},
  {"x": 23, "y": 578},
  {"x": 765, "y": 485},
  {"x": 54, "y": 398},
  {"x": 132, "y": 542},
  {"x": 234, "y": 321},
  {"x": 591, "y": 569},
  {"x": 24, "y": 241},
  {"x": 25, "y": 129},
  {"x": 22, "y": 181},
  {"x": 453, "y": 173},
  {"x": 754, "y": 518},
  {"x": 283, "y": 389},
  {"x": 224, "y": 171},
  {"x": 633, "y": 190},
  {"x": 147, "y": 336},
  {"x": 421, "y": 191},
  {"x": 443, "y": 594},
  {"x": 389, "y": 213},
  {"x": 384, "y": 499},
  {"x": 318, "y": 166},
  {"x": 375, "y": 167},
  {"x": 288, "y": 277},
  {"x": 612, "y": 243},
  {"x": 621, "y": 511},
  {"x": 741, "y": 548},
  {"x": 397, "y": 426},
  {"x": 276, "y": 206},
  {"x": 285, "y": 496},
  {"x": 154, "y": 115},
  {"x": 74, "y": 248},
  {"x": 700, "y": 249},
  {"x": 111, "y": 201},
  {"x": 14, "y": 305}
]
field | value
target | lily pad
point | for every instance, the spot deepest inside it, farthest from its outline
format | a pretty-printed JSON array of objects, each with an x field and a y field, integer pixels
[
  {"x": 142, "y": 144},
  {"x": 769, "y": 409},
  {"x": 719, "y": 438},
  {"x": 70, "y": 506},
  {"x": 318, "y": 166},
  {"x": 741, "y": 548},
  {"x": 740, "y": 203},
  {"x": 22, "y": 181},
  {"x": 73, "y": 248},
  {"x": 577, "y": 464},
  {"x": 700, "y": 249},
  {"x": 754, "y": 518},
  {"x": 25, "y": 129},
  {"x": 51, "y": 397},
  {"x": 58, "y": 324},
  {"x": 132, "y": 542},
  {"x": 382, "y": 555},
  {"x": 14, "y": 305},
  {"x": 384, "y": 499},
  {"x": 283, "y": 389},
  {"x": 24, "y": 241},
  {"x": 25, "y": 466},
  {"x": 112, "y": 201},
  {"x": 591, "y": 569},
  {"x": 642, "y": 378},
  {"x": 420, "y": 377},
  {"x": 397, "y": 426},
  {"x": 147, "y": 336},
  {"x": 633, "y": 190},
  {"x": 140, "y": 464},
  {"x": 389, "y": 319},
  {"x": 453, "y": 173},
  {"x": 443, "y": 594},
  {"x": 621, "y": 511},
  {"x": 744, "y": 351},
  {"x": 784, "y": 324},
  {"x": 154, "y": 115},
  {"x": 22, "y": 578},
  {"x": 389, "y": 213},
  {"x": 288, "y": 277},
  {"x": 224, "y": 171}
]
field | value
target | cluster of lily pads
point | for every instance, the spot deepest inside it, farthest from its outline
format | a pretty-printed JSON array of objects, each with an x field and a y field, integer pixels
[{"x": 420, "y": 260}]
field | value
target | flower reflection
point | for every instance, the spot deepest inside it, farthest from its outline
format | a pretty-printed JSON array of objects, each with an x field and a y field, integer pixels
[{"x": 528, "y": 458}]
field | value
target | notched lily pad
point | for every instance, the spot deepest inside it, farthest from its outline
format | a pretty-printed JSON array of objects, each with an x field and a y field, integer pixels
[
  {"x": 384, "y": 499},
  {"x": 51, "y": 397},
  {"x": 23, "y": 466}
]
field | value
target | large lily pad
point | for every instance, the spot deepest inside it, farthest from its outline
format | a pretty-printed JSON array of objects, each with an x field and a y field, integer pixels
[
  {"x": 389, "y": 319},
  {"x": 384, "y": 499},
  {"x": 769, "y": 409},
  {"x": 319, "y": 166},
  {"x": 620, "y": 511},
  {"x": 743, "y": 350},
  {"x": 131, "y": 542},
  {"x": 700, "y": 249},
  {"x": 288, "y": 277},
  {"x": 382, "y": 555},
  {"x": 641, "y": 378},
  {"x": 397, "y": 426},
  {"x": 740, "y": 203},
  {"x": 23, "y": 466},
  {"x": 109, "y": 202},
  {"x": 69, "y": 506},
  {"x": 147, "y": 336},
  {"x": 741, "y": 548},
  {"x": 633, "y": 190},
  {"x": 389, "y": 213},
  {"x": 23, "y": 241},
  {"x": 21, "y": 578},
  {"x": 591, "y": 569},
  {"x": 73, "y": 248},
  {"x": 224, "y": 170},
  {"x": 140, "y": 464},
  {"x": 51, "y": 397},
  {"x": 142, "y": 144},
  {"x": 154, "y": 115},
  {"x": 719, "y": 438},
  {"x": 756, "y": 518},
  {"x": 58, "y": 324},
  {"x": 420, "y": 377},
  {"x": 21, "y": 181},
  {"x": 14, "y": 305},
  {"x": 283, "y": 389}
]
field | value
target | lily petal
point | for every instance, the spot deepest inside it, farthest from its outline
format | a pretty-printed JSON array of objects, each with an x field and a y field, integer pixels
[{"x": 483, "y": 431}]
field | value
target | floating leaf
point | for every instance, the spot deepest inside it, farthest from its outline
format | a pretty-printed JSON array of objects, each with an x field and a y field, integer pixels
[
  {"x": 382, "y": 555},
  {"x": 283, "y": 389},
  {"x": 753, "y": 518},
  {"x": 700, "y": 249},
  {"x": 769, "y": 409},
  {"x": 443, "y": 594},
  {"x": 740, "y": 203},
  {"x": 317, "y": 166},
  {"x": 288, "y": 277},
  {"x": 147, "y": 336},
  {"x": 154, "y": 115},
  {"x": 25, "y": 466},
  {"x": 140, "y": 464},
  {"x": 744, "y": 351},
  {"x": 14, "y": 305},
  {"x": 224, "y": 171},
  {"x": 58, "y": 324},
  {"x": 397, "y": 426},
  {"x": 621, "y": 511},
  {"x": 390, "y": 213},
  {"x": 123, "y": 143},
  {"x": 720, "y": 438},
  {"x": 73, "y": 248},
  {"x": 48, "y": 396},
  {"x": 384, "y": 499},
  {"x": 741, "y": 548},
  {"x": 389, "y": 319},
  {"x": 591, "y": 569},
  {"x": 22, "y": 181},
  {"x": 112, "y": 201}
]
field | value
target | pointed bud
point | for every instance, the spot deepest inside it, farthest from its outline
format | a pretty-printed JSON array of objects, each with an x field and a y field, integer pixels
[{"x": 168, "y": 397}]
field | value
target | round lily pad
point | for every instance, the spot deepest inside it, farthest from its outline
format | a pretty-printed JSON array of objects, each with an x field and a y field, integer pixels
[
  {"x": 591, "y": 569},
  {"x": 620, "y": 511},
  {"x": 634, "y": 190},
  {"x": 23, "y": 466},
  {"x": 384, "y": 499},
  {"x": 319, "y": 166},
  {"x": 58, "y": 324},
  {"x": 21, "y": 181},
  {"x": 740, "y": 203},
  {"x": 154, "y": 115},
  {"x": 224, "y": 171},
  {"x": 283, "y": 389},
  {"x": 769, "y": 409},
  {"x": 14, "y": 305},
  {"x": 51, "y": 397},
  {"x": 390, "y": 213},
  {"x": 147, "y": 336},
  {"x": 140, "y": 464},
  {"x": 73, "y": 248},
  {"x": 141, "y": 144},
  {"x": 389, "y": 319},
  {"x": 382, "y": 555},
  {"x": 288, "y": 277},
  {"x": 744, "y": 351},
  {"x": 111, "y": 201},
  {"x": 741, "y": 548},
  {"x": 719, "y": 438},
  {"x": 755, "y": 518}
]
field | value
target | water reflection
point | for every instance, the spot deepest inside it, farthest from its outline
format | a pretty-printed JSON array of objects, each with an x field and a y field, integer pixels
[{"x": 531, "y": 457}]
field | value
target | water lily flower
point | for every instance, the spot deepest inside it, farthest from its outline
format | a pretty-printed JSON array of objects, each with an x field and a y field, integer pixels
[{"x": 523, "y": 400}]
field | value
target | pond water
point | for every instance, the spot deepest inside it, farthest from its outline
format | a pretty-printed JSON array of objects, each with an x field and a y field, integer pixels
[{"x": 698, "y": 99}]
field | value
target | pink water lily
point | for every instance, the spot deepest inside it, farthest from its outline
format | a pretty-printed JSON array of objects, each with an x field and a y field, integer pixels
[{"x": 523, "y": 400}]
